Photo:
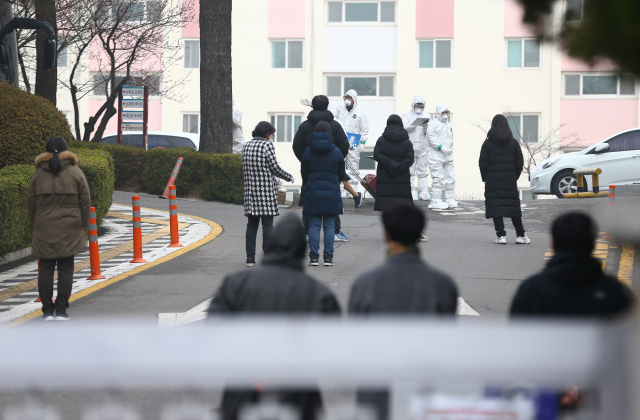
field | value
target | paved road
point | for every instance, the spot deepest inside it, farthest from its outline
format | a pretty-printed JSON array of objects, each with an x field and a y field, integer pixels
[{"x": 460, "y": 243}]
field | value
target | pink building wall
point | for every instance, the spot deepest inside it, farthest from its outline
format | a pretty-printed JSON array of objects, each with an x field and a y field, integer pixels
[
  {"x": 572, "y": 64},
  {"x": 596, "y": 119},
  {"x": 434, "y": 18},
  {"x": 155, "y": 115},
  {"x": 192, "y": 29},
  {"x": 287, "y": 19},
  {"x": 513, "y": 26},
  {"x": 99, "y": 58}
]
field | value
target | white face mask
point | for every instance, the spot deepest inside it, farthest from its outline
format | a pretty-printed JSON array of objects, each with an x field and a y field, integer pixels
[
  {"x": 347, "y": 102},
  {"x": 445, "y": 117},
  {"x": 418, "y": 111}
]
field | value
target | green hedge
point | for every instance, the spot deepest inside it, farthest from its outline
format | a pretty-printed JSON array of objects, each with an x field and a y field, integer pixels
[
  {"x": 212, "y": 176},
  {"x": 15, "y": 232}
]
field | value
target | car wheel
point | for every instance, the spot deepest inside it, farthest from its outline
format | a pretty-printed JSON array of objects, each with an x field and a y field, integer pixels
[{"x": 565, "y": 182}]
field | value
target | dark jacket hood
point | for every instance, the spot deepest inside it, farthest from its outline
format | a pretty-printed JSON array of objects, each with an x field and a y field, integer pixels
[
  {"x": 316, "y": 116},
  {"x": 499, "y": 137},
  {"x": 321, "y": 143},
  {"x": 395, "y": 133},
  {"x": 286, "y": 246},
  {"x": 573, "y": 269}
]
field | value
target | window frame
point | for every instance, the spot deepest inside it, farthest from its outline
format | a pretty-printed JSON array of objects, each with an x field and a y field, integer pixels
[
  {"x": 581, "y": 95},
  {"x": 273, "y": 116},
  {"x": 363, "y": 75},
  {"x": 66, "y": 54},
  {"x": 522, "y": 66},
  {"x": 434, "y": 53},
  {"x": 286, "y": 54},
  {"x": 564, "y": 13},
  {"x": 182, "y": 114},
  {"x": 520, "y": 115},
  {"x": 366, "y": 23},
  {"x": 184, "y": 49}
]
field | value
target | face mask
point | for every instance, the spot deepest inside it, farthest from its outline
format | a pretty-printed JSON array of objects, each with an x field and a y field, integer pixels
[
  {"x": 445, "y": 117},
  {"x": 418, "y": 111},
  {"x": 347, "y": 102}
]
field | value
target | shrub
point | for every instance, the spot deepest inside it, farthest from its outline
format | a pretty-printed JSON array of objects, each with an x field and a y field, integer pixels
[
  {"x": 223, "y": 180},
  {"x": 160, "y": 164},
  {"x": 27, "y": 121},
  {"x": 15, "y": 232},
  {"x": 97, "y": 166}
]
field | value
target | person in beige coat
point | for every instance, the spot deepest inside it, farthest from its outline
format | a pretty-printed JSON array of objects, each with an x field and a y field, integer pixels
[{"x": 59, "y": 206}]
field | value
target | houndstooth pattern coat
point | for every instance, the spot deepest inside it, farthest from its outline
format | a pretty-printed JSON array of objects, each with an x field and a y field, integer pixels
[{"x": 260, "y": 169}]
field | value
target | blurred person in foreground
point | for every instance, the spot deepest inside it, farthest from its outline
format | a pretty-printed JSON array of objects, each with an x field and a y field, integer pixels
[
  {"x": 59, "y": 206},
  {"x": 573, "y": 283},
  {"x": 277, "y": 287},
  {"x": 404, "y": 285}
]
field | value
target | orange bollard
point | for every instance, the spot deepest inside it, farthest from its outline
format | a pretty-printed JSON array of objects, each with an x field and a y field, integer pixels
[
  {"x": 172, "y": 178},
  {"x": 94, "y": 252},
  {"x": 612, "y": 194},
  {"x": 173, "y": 218},
  {"x": 137, "y": 232}
]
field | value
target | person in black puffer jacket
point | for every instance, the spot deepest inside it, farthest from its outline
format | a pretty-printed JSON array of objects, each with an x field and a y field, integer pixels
[
  {"x": 501, "y": 164},
  {"x": 394, "y": 154}
]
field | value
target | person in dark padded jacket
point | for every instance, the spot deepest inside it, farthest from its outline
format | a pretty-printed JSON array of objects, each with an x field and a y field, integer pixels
[
  {"x": 322, "y": 169},
  {"x": 573, "y": 283},
  {"x": 394, "y": 154},
  {"x": 277, "y": 287},
  {"x": 501, "y": 164}
]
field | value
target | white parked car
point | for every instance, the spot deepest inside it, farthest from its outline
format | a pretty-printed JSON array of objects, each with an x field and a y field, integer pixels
[
  {"x": 618, "y": 157},
  {"x": 164, "y": 139}
]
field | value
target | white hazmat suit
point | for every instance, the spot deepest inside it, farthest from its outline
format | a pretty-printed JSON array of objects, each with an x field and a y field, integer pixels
[
  {"x": 238, "y": 137},
  {"x": 418, "y": 137},
  {"x": 440, "y": 134},
  {"x": 353, "y": 121}
]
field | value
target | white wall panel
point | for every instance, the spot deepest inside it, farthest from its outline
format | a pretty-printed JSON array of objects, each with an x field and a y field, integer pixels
[{"x": 360, "y": 48}]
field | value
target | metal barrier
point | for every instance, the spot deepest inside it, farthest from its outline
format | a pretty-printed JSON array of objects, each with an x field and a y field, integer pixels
[{"x": 582, "y": 190}]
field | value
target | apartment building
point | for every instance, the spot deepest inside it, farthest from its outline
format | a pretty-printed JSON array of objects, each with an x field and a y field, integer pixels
[{"x": 475, "y": 56}]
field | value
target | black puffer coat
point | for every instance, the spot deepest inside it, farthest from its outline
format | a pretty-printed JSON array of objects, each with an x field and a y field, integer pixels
[
  {"x": 501, "y": 164},
  {"x": 394, "y": 154}
]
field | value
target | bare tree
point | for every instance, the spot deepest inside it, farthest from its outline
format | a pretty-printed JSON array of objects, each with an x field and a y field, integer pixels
[
  {"x": 25, "y": 39},
  {"x": 537, "y": 150},
  {"x": 215, "y": 77}
]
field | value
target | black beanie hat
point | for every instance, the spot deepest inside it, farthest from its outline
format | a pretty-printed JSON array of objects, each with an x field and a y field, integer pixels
[{"x": 56, "y": 145}]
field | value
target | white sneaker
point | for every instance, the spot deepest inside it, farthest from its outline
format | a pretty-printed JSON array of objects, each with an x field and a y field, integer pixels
[
  {"x": 438, "y": 204},
  {"x": 423, "y": 238},
  {"x": 523, "y": 239},
  {"x": 424, "y": 196},
  {"x": 501, "y": 240},
  {"x": 48, "y": 318},
  {"x": 452, "y": 204}
]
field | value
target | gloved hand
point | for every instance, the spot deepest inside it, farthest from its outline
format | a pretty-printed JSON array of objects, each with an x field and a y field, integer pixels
[
  {"x": 305, "y": 102},
  {"x": 360, "y": 148},
  {"x": 424, "y": 125},
  {"x": 293, "y": 180},
  {"x": 446, "y": 151},
  {"x": 351, "y": 146}
]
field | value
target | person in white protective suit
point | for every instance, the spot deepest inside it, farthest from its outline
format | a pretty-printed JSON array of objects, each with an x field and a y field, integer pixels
[
  {"x": 354, "y": 120},
  {"x": 418, "y": 137},
  {"x": 238, "y": 137},
  {"x": 440, "y": 134}
]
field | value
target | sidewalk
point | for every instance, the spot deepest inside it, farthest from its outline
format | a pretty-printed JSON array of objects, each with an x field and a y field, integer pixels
[{"x": 18, "y": 286}]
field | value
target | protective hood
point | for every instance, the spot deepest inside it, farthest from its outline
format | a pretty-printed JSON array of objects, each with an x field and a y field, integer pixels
[
  {"x": 417, "y": 100},
  {"x": 354, "y": 95},
  {"x": 321, "y": 143},
  {"x": 395, "y": 133},
  {"x": 440, "y": 108},
  {"x": 315, "y": 117},
  {"x": 286, "y": 246}
]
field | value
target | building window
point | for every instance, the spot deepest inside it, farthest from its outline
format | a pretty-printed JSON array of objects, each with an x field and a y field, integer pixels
[
  {"x": 435, "y": 53},
  {"x": 573, "y": 10},
  {"x": 361, "y": 12},
  {"x": 524, "y": 127},
  {"x": 63, "y": 57},
  {"x": 376, "y": 86},
  {"x": 286, "y": 54},
  {"x": 192, "y": 54},
  {"x": 523, "y": 53},
  {"x": 191, "y": 123},
  {"x": 365, "y": 162},
  {"x": 286, "y": 126},
  {"x": 613, "y": 85}
]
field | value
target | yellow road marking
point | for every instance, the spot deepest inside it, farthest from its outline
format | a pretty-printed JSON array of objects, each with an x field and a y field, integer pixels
[
  {"x": 216, "y": 230},
  {"x": 626, "y": 265}
]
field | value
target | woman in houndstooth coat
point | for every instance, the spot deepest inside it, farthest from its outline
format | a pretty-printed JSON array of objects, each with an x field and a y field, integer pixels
[{"x": 260, "y": 169}]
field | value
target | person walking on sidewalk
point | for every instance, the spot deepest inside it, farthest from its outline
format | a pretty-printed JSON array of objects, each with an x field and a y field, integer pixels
[
  {"x": 277, "y": 287},
  {"x": 59, "y": 207},
  {"x": 260, "y": 169},
  {"x": 322, "y": 169},
  {"x": 501, "y": 164}
]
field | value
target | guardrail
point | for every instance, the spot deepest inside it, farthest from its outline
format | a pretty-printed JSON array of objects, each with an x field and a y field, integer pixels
[{"x": 582, "y": 189}]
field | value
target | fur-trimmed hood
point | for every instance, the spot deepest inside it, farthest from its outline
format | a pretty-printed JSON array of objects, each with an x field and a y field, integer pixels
[{"x": 66, "y": 155}]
